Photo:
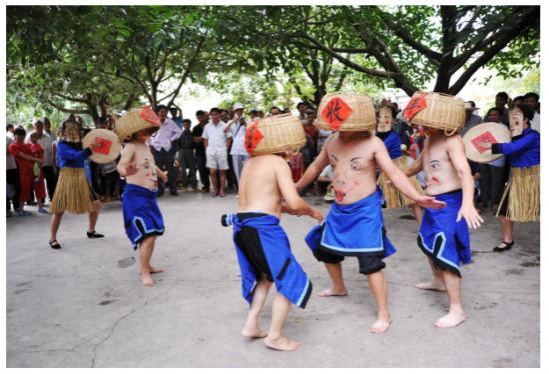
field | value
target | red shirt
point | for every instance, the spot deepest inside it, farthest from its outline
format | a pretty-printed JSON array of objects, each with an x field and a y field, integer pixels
[
  {"x": 25, "y": 166},
  {"x": 312, "y": 131}
]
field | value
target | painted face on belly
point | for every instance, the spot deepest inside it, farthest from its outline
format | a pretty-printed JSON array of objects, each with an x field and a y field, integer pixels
[{"x": 345, "y": 176}]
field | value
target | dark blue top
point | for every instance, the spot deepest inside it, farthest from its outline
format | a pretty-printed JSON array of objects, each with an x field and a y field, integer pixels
[
  {"x": 392, "y": 142},
  {"x": 523, "y": 151},
  {"x": 71, "y": 155}
]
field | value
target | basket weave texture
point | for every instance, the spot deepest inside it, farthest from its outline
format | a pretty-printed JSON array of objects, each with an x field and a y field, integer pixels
[
  {"x": 279, "y": 134},
  {"x": 444, "y": 112},
  {"x": 131, "y": 123},
  {"x": 362, "y": 117}
]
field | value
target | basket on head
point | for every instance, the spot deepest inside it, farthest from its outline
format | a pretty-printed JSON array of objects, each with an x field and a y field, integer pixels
[
  {"x": 436, "y": 110},
  {"x": 344, "y": 111},
  {"x": 134, "y": 121},
  {"x": 274, "y": 134}
]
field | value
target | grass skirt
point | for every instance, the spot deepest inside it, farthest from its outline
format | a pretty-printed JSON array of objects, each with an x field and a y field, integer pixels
[
  {"x": 523, "y": 192},
  {"x": 393, "y": 197},
  {"x": 73, "y": 192}
]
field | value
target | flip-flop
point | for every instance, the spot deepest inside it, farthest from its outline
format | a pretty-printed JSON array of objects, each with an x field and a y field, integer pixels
[{"x": 55, "y": 244}]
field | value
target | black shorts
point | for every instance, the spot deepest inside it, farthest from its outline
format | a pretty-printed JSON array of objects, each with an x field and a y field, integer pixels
[
  {"x": 250, "y": 244},
  {"x": 368, "y": 264}
]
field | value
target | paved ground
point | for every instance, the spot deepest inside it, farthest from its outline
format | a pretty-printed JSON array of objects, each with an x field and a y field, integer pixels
[{"x": 84, "y": 306}]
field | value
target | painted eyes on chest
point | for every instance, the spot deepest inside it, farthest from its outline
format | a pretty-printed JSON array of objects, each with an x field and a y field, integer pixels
[
  {"x": 356, "y": 163},
  {"x": 435, "y": 164}
]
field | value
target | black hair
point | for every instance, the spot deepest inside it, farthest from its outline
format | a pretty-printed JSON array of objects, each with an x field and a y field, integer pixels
[
  {"x": 526, "y": 111},
  {"x": 10, "y": 126},
  {"x": 301, "y": 103},
  {"x": 215, "y": 110},
  {"x": 102, "y": 120},
  {"x": 160, "y": 107},
  {"x": 496, "y": 109},
  {"x": 503, "y": 94},
  {"x": 531, "y": 94},
  {"x": 186, "y": 120},
  {"x": 518, "y": 98},
  {"x": 200, "y": 113},
  {"x": 19, "y": 131}
]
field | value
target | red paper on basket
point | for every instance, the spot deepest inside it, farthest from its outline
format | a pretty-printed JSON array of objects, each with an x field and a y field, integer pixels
[
  {"x": 336, "y": 112},
  {"x": 484, "y": 137},
  {"x": 416, "y": 104},
  {"x": 253, "y": 137},
  {"x": 150, "y": 116},
  {"x": 104, "y": 146}
]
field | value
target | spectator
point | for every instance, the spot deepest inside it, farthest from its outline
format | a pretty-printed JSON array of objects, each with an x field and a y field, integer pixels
[
  {"x": 216, "y": 142},
  {"x": 38, "y": 181},
  {"x": 48, "y": 167},
  {"x": 231, "y": 174},
  {"x": 12, "y": 179},
  {"x": 297, "y": 165},
  {"x": 47, "y": 129},
  {"x": 187, "y": 160},
  {"x": 260, "y": 114},
  {"x": 531, "y": 100},
  {"x": 302, "y": 115},
  {"x": 176, "y": 114},
  {"x": 471, "y": 120},
  {"x": 322, "y": 134},
  {"x": 311, "y": 131},
  {"x": 492, "y": 174},
  {"x": 254, "y": 115},
  {"x": 518, "y": 100},
  {"x": 501, "y": 100},
  {"x": 164, "y": 150},
  {"x": 9, "y": 131},
  {"x": 25, "y": 162},
  {"x": 275, "y": 111},
  {"x": 237, "y": 127},
  {"x": 200, "y": 150}
]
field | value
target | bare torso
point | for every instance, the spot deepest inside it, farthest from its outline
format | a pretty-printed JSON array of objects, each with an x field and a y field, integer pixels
[
  {"x": 146, "y": 175},
  {"x": 440, "y": 174},
  {"x": 258, "y": 188},
  {"x": 354, "y": 167}
]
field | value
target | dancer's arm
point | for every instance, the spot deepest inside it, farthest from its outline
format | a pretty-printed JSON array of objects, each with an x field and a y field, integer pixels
[
  {"x": 125, "y": 167},
  {"x": 314, "y": 170}
]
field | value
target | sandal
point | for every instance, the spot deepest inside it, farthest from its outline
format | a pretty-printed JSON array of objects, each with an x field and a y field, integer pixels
[
  {"x": 94, "y": 234},
  {"x": 507, "y": 247},
  {"x": 55, "y": 244}
]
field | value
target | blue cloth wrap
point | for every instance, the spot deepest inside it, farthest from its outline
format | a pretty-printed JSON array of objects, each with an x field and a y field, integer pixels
[
  {"x": 354, "y": 229},
  {"x": 289, "y": 278},
  {"x": 71, "y": 155},
  {"x": 523, "y": 151},
  {"x": 142, "y": 217},
  {"x": 392, "y": 143},
  {"x": 443, "y": 239}
]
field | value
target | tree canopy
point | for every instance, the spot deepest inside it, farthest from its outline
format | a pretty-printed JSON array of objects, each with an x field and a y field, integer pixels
[{"x": 90, "y": 59}]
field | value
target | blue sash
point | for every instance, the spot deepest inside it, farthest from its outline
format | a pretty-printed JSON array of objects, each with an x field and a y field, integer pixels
[
  {"x": 443, "y": 239},
  {"x": 352, "y": 230},
  {"x": 141, "y": 213},
  {"x": 289, "y": 278}
]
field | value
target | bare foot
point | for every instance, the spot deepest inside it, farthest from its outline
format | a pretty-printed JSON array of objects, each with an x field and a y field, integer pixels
[
  {"x": 380, "y": 326},
  {"x": 332, "y": 292},
  {"x": 452, "y": 319},
  {"x": 253, "y": 333},
  {"x": 147, "y": 280},
  {"x": 432, "y": 286},
  {"x": 282, "y": 344},
  {"x": 155, "y": 270}
]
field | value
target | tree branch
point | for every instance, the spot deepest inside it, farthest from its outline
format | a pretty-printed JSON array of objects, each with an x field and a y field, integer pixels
[{"x": 65, "y": 110}]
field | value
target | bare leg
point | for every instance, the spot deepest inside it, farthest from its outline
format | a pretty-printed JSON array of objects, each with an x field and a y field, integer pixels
[
  {"x": 338, "y": 287},
  {"x": 213, "y": 175},
  {"x": 275, "y": 340},
  {"x": 94, "y": 215},
  {"x": 251, "y": 328},
  {"x": 455, "y": 315},
  {"x": 418, "y": 213},
  {"x": 507, "y": 230},
  {"x": 54, "y": 225},
  {"x": 223, "y": 177},
  {"x": 145, "y": 253},
  {"x": 378, "y": 285},
  {"x": 437, "y": 284}
]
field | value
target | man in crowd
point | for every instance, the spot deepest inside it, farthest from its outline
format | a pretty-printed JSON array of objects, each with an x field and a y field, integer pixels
[
  {"x": 200, "y": 150},
  {"x": 216, "y": 142},
  {"x": 237, "y": 128},
  {"x": 471, "y": 120},
  {"x": 501, "y": 100},
  {"x": 187, "y": 160},
  {"x": 164, "y": 150},
  {"x": 176, "y": 114},
  {"x": 531, "y": 100},
  {"x": 48, "y": 168}
]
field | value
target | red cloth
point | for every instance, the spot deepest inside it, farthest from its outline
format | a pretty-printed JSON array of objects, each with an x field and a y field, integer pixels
[
  {"x": 25, "y": 166},
  {"x": 26, "y": 180},
  {"x": 312, "y": 131}
]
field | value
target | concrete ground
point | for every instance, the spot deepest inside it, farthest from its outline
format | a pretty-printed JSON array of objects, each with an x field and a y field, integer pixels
[{"x": 84, "y": 306}]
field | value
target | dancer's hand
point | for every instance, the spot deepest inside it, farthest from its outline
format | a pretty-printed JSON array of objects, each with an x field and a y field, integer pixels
[
  {"x": 468, "y": 211},
  {"x": 430, "y": 202},
  {"x": 316, "y": 214}
]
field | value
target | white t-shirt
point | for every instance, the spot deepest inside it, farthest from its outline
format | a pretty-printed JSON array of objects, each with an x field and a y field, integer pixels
[
  {"x": 217, "y": 138},
  {"x": 535, "y": 122},
  {"x": 238, "y": 132}
]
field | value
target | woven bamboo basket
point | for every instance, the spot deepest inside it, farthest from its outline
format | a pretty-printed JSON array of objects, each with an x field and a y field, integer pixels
[
  {"x": 443, "y": 112},
  {"x": 277, "y": 134},
  {"x": 361, "y": 118},
  {"x": 133, "y": 122}
]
